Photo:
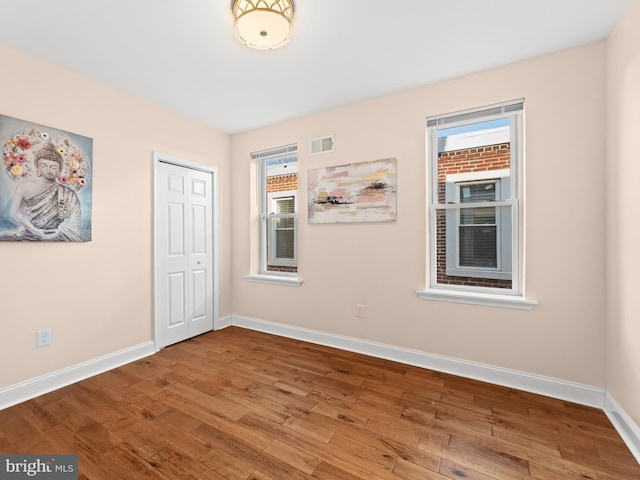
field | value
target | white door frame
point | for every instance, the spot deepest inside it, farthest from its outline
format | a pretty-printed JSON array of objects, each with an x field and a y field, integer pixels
[{"x": 158, "y": 158}]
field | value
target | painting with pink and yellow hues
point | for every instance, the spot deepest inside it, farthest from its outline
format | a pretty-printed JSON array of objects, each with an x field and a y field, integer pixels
[{"x": 358, "y": 192}]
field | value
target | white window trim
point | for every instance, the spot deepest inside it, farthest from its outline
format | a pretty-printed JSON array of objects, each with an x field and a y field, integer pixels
[
  {"x": 288, "y": 280},
  {"x": 483, "y": 298},
  {"x": 495, "y": 297},
  {"x": 263, "y": 275}
]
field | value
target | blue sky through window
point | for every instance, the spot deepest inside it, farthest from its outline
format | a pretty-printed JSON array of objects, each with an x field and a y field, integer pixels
[{"x": 472, "y": 127}]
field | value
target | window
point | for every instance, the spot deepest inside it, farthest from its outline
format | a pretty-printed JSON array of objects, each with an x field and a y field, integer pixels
[
  {"x": 475, "y": 206},
  {"x": 278, "y": 191},
  {"x": 478, "y": 234}
]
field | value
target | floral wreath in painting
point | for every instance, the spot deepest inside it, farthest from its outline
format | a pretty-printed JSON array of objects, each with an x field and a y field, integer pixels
[{"x": 18, "y": 154}]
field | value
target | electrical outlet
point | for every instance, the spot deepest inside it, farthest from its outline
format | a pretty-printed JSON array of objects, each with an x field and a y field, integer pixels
[
  {"x": 43, "y": 337},
  {"x": 359, "y": 310}
]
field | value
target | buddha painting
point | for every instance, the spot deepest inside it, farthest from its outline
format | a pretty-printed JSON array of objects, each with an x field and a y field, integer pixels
[{"x": 45, "y": 189}]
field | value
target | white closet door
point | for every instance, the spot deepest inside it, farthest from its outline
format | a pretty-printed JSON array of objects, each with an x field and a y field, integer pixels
[{"x": 184, "y": 243}]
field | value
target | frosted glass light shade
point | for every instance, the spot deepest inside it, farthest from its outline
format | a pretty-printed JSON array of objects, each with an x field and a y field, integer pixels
[{"x": 263, "y": 24}]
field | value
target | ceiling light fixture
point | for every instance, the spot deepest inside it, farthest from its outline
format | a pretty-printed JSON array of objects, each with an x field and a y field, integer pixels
[{"x": 263, "y": 24}]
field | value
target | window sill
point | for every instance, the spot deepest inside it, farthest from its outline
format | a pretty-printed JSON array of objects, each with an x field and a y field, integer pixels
[
  {"x": 275, "y": 280},
  {"x": 477, "y": 298}
]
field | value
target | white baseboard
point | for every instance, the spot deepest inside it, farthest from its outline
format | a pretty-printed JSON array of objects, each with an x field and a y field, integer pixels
[
  {"x": 29, "y": 389},
  {"x": 625, "y": 426},
  {"x": 223, "y": 322},
  {"x": 560, "y": 389}
]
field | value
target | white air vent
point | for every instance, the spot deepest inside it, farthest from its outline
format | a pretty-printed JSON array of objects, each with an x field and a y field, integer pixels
[{"x": 321, "y": 145}]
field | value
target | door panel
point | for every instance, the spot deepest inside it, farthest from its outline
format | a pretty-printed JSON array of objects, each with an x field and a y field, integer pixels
[
  {"x": 199, "y": 294},
  {"x": 175, "y": 231},
  {"x": 199, "y": 230},
  {"x": 175, "y": 299}
]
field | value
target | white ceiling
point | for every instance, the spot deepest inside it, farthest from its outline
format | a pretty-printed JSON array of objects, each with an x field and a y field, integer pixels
[{"x": 183, "y": 55}]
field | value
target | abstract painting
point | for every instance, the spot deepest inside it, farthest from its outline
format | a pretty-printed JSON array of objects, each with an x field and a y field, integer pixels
[
  {"x": 358, "y": 192},
  {"x": 45, "y": 189}
]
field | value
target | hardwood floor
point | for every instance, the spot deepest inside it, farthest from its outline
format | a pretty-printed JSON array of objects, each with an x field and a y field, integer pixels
[{"x": 239, "y": 404}]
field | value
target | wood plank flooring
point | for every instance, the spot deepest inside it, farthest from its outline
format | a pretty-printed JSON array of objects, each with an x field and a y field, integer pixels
[{"x": 239, "y": 404}]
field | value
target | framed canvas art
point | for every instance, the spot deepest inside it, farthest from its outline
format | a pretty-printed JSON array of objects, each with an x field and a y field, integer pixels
[
  {"x": 358, "y": 192},
  {"x": 45, "y": 188}
]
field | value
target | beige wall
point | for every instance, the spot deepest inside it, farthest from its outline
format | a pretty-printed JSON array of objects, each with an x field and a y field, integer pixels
[
  {"x": 97, "y": 296},
  {"x": 623, "y": 212},
  {"x": 382, "y": 264}
]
